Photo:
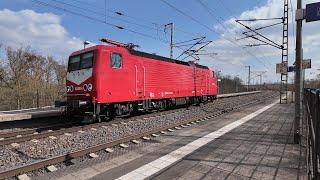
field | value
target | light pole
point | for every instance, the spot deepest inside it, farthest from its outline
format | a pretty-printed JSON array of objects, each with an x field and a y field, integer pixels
[
  {"x": 298, "y": 76},
  {"x": 218, "y": 80},
  {"x": 171, "y": 38},
  {"x": 85, "y": 43},
  {"x": 249, "y": 73},
  {"x": 236, "y": 83}
]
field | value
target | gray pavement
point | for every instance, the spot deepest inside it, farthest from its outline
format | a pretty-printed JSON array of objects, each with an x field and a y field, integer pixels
[
  {"x": 259, "y": 149},
  {"x": 7, "y": 116}
]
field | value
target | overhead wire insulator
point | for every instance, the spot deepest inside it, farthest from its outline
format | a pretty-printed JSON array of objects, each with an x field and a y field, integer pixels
[
  {"x": 119, "y": 13},
  {"x": 120, "y": 27}
]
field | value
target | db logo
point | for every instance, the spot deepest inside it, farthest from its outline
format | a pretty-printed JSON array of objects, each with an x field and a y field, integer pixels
[{"x": 78, "y": 88}]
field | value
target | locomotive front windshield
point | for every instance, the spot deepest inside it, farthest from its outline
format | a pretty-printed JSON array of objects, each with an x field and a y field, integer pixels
[{"x": 82, "y": 61}]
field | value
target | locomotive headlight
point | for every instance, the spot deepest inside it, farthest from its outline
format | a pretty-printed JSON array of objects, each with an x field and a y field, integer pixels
[
  {"x": 89, "y": 87},
  {"x": 85, "y": 87},
  {"x": 71, "y": 88},
  {"x": 68, "y": 88}
]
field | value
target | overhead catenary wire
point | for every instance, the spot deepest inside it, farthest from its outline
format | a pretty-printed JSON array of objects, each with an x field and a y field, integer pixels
[
  {"x": 194, "y": 39},
  {"x": 268, "y": 40},
  {"x": 225, "y": 7},
  {"x": 200, "y": 41},
  {"x": 122, "y": 14},
  {"x": 255, "y": 33},
  {"x": 110, "y": 24},
  {"x": 229, "y": 11},
  {"x": 100, "y": 21},
  {"x": 177, "y": 28},
  {"x": 156, "y": 26},
  {"x": 187, "y": 15},
  {"x": 256, "y": 29},
  {"x": 260, "y": 19},
  {"x": 104, "y": 15},
  {"x": 78, "y": 7},
  {"x": 96, "y": 20},
  {"x": 195, "y": 51},
  {"x": 211, "y": 12},
  {"x": 118, "y": 13}
]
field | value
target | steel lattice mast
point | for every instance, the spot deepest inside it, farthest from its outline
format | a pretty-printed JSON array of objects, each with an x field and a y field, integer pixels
[
  {"x": 265, "y": 41},
  {"x": 284, "y": 60}
]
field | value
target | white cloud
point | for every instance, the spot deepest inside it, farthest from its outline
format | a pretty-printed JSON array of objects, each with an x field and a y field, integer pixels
[
  {"x": 42, "y": 31},
  {"x": 233, "y": 58}
]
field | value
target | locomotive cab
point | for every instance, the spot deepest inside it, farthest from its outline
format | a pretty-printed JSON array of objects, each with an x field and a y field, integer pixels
[{"x": 81, "y": 84}]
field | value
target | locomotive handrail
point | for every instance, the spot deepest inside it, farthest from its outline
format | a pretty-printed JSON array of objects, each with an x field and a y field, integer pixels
[{"x": 144, "y": 81}]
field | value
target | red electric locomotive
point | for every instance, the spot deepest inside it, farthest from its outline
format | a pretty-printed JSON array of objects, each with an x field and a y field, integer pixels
[{"x": 104, "y": 81}]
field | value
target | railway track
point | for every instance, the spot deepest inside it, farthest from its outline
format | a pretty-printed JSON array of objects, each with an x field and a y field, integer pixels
[
  {"x": 18, "y": 136},
  {"x": 58, "y": 129},
  {"x": 24, "y": 132},
  {"x": 210, "y": 111},
  {"x": 47, "y": 131}
]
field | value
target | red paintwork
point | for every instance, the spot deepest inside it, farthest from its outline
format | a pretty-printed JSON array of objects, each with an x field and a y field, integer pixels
[{"x": 154, "y": 79}]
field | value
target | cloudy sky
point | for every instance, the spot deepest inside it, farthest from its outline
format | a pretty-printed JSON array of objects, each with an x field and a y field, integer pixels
[{"x": 58, "y": 27}]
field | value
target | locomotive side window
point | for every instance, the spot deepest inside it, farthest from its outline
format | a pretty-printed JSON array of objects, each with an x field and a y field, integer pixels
[
  {"x": 116, "y": 60},
  {"x": 213, "y": 74}
]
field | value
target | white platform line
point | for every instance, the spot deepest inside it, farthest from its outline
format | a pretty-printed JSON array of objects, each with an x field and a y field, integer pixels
[{"x": 163, "y": 162}]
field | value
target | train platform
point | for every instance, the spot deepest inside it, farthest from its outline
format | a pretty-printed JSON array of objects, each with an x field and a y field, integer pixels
[
  {"x": 252, "y": 143},
  {"x": 25, "y": 114}
]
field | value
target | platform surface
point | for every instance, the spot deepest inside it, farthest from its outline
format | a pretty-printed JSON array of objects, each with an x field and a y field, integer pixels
[
  {"x": 262, "y": 148},
  {"x": 259, "y": 148},
  {"x": 32, "y": 113}
]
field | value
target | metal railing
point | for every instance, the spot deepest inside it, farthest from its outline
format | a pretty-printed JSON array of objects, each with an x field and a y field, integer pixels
[{"x": 312, "y": 125}]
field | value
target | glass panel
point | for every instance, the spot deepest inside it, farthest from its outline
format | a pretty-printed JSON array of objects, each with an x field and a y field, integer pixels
[
  {"x": 86, "y": 60},
  {"x": 116, "y": 60},
  {"x": 83, "y": 61},
  {"x": 74, "y": 63}
]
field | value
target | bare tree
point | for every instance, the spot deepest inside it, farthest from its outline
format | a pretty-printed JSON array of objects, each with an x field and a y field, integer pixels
[
  {"x": 230, "y": 84},
  {"x": 28, "y": 79}
]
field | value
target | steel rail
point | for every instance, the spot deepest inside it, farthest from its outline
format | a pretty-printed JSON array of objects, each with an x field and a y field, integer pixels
[
  {"x": 52, "y": 133},
  {"x": 33, "y": 130},
  {"x": 27, "y": 135}
]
